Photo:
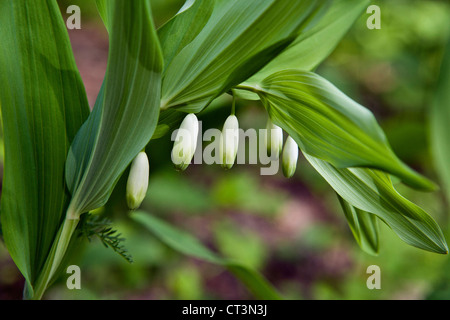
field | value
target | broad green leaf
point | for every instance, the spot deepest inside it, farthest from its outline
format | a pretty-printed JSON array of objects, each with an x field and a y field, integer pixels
[
  {"x": 363, "y": 225},
  {"x": 190, "y": 246},
  {"x": 372, "y": 191},
  {"x": 179, "y": 31},
  {"x": 127, "y": 108},
  {"x": 239, "y": 38},
  {"x": 103, "y": 7},
  {"x": 2, "y": 157},
  {"x": 315, "y": 44},
  {"x": 329, "y": 125},
  {"x": 43, "y": 104},
  {"x": 312, "y": 46},
  {"x": 440, "y": 124}
]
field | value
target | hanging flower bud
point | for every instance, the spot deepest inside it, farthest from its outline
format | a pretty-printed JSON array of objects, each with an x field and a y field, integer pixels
[
  {"x": 185, "y": 142},
  {"x": 290, "y": 157},
  {"x": 137, "y": 183},
  {"x": 229, "y": 142},
  {"x": 274, "y": 140}
]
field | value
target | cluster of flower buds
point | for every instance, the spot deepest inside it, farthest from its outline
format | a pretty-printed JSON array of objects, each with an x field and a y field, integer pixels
[
  {"x": 184, "y": 149},
  {"x": 137, "y": 183},
  {"x": 186, "y": 142},
  {"x": 274, "y": 144}
]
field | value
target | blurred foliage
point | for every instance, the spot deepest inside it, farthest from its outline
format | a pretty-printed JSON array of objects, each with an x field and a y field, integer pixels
[{"x": 293, "y": 231}]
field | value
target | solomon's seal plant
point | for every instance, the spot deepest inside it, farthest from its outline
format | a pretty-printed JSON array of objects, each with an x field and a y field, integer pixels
[{"x": 62, "y": 161}]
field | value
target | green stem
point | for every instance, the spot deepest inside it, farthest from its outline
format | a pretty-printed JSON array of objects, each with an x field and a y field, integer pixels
[
  {"x": 55, "y": 257},
  {"x": 248, "y": 87},
  {"x": 233, "y": 106}
]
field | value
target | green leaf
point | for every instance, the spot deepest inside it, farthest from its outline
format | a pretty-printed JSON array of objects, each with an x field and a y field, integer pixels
[
  {"x": 127, "y": 108},
  {"x": 190, "y": 246},
  {"x": 103, "y": 7},
  {"x": 315, "y": 44},
  {"x": 239, "y": 38},
  {"x": 312, "y": 46},
  {"x": 363, "y": 225},
  {"x": 329, "y": 125},
  {"x": 372, "y": 191},
  {"x": 179, "y": 31},
  {"x": 439, "y": 124},
  {"x": 43, "y": 104}
]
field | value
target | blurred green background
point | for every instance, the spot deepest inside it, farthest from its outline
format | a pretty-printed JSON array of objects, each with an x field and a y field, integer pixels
[{"x": 293, "y": 231}]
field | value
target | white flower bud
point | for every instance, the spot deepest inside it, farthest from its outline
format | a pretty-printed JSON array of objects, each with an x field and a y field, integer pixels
[
  {"x": 229, "y": 142},
  {"x": 274, "y": 140},
  {"x": 290, "y": 157},
  {"x": 185, "y": 142},
  {"x": 137, "y": 183}
]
